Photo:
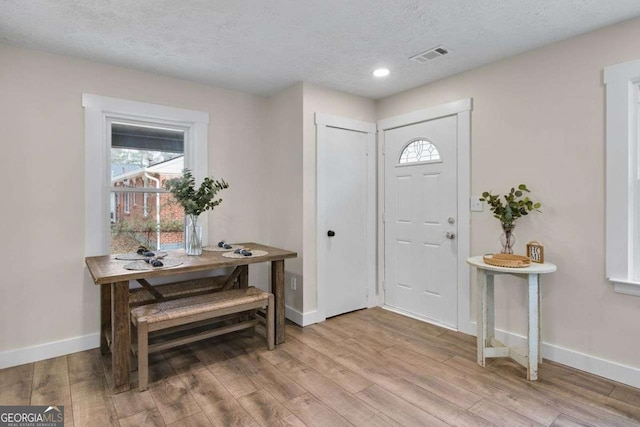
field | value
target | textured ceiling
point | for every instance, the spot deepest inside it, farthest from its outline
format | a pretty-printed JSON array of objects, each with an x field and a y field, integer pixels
[{"x": 262, "y": 46}]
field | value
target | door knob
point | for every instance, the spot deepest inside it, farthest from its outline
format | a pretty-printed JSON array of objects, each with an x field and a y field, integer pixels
[
  {"x": 450, "y": 235},
  {"x": 331, "y": 233}
]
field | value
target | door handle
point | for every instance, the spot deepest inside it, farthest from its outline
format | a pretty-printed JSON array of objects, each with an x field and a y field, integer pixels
[
  {"x": 450, "y": 235},
  {"x": 331, "y": 233}
]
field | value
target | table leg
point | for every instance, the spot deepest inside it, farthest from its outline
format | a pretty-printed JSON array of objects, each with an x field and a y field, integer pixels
[
  {"x": 534, "y": 327},
  {"x": 105, "y": 317},
  {"x": 539, "y": 325},
  {"x": 277, "y": 288},
  {"x": 243, "y": 278},
  {"x": 490, "y": 309},
  {"x": 121, "y": 333},
  {"x": 481, "y": 314}
]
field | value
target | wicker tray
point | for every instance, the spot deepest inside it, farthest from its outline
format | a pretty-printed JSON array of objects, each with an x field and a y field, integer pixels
[{"x": 507, "y": 260}]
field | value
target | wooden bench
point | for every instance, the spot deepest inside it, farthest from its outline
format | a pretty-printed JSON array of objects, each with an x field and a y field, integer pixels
[
  {"x": 150, "y": 294},
  {"x": 174, "y": 314}
]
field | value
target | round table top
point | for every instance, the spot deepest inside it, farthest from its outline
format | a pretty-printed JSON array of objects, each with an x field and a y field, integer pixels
[{"x": 534, "y": 268}]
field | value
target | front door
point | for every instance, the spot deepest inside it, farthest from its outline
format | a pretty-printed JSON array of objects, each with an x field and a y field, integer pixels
[{"x": 420, "y": 220}]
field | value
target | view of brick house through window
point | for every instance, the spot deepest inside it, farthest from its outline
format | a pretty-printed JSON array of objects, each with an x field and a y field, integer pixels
[{"x": 143, "y": 157}]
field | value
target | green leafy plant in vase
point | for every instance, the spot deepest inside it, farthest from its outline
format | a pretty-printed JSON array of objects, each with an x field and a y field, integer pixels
[
  {"x": 195, "y": 202},
  {"x": 515, "y": 205}
]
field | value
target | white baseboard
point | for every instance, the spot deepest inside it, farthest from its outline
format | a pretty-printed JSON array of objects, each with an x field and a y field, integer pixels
[
  {"x": 301, "y": 319},
  {"x": 585, "y": 362},
  {"x": 48, "y": 350}
]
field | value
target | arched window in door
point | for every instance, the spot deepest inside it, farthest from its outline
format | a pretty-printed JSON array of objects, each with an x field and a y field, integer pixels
[{"x": 419, "y": 151}]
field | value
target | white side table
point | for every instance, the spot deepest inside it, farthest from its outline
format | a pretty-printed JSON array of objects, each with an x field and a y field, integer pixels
[{"x": 488, "y": 345}]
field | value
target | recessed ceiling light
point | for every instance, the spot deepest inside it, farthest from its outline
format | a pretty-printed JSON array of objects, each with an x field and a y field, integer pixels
[{"x": 381, "y": 72}]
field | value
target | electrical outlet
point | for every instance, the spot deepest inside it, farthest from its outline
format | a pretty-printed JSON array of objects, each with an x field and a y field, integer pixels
[
  {"x": 294, "y": 284},
  {"x": 476, "y": 204}
]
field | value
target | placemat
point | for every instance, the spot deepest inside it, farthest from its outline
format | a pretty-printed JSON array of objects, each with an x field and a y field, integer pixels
[
  {"x": 132, "y": 256},
  {"x": 254, "y": 254},
  {"x": 219, "y": 249},
  {"x": 141, "y": 265}
]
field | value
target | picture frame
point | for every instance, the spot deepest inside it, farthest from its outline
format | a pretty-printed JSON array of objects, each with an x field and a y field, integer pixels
[{"x": 535, "y": 252}]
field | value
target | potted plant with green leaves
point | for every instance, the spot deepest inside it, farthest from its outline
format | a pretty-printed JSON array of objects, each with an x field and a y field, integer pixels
[
  {"x": 195, "y": 202},
  {"x": 515, "y": 205}
]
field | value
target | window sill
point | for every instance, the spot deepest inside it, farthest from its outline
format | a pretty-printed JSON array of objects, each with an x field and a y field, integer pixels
[{"x": 627, "y": 287}]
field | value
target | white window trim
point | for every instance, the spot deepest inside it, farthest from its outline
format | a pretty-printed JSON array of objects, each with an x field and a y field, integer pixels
[
  {"x": 622, "y": 146},
  {"x": 99, "y": 111}
]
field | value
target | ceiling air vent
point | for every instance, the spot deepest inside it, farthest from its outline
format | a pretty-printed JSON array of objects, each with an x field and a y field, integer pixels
[{"x": 434, "y": 53}]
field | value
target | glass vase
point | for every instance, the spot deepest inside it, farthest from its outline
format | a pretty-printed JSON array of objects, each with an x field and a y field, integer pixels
[
  {"x": 193, "y": 237},
  {"x": 507, "y": 239}
]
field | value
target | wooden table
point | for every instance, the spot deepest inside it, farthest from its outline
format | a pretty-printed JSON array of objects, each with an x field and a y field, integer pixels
[
  {"x": 488, "y": 345},
  {"x": 113, "y": 278}
]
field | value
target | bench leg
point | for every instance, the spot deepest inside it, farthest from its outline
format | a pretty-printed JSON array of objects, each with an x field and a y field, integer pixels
[
  {"x": 134, "y": 340},
  {"x": 270, "y": 330},
  {"x": 143, "y": 355},
  {"x": 243, "y": 283}
]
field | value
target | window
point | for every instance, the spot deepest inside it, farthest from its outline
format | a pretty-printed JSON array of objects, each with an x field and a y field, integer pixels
[
  {"x": 130, "y": 149},
  {"x": 419, "y": 151},
  {"x": 127, "y": 203},
  {"x": 142, "y": 155},
  {"x": 623, "y": 176}
]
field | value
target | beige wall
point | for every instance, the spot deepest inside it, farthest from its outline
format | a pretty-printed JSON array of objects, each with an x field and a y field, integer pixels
[
  {"x": 284, "y": 161},
  {"x": 324, "y": 101},
  {"x": 45, "y": 294},
  {"x": 538, "y": 119}
]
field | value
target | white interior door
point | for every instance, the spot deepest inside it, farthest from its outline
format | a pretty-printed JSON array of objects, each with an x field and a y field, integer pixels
[
  {"x": 420, "y": 220},
  {"x": 346, "y": 214}
]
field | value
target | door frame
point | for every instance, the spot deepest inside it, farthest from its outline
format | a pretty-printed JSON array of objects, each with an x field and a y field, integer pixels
[
  {"x": 462, "y": 109},
  {"x": 324, "y": 121}
]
